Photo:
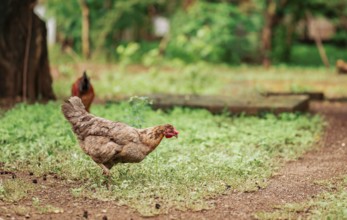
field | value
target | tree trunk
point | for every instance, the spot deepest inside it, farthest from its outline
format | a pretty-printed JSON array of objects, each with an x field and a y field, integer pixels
[
  {"x": 318, "y": 41},
  {"x": 267, "y": 32},
  {"x": 85, "y": 29},
  {"x": 24, "y": 66}
]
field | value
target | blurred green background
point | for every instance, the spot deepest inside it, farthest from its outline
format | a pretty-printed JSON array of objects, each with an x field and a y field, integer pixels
[
  {"x": 216, "y": 31},
  {"x": 132, "y": 47}
]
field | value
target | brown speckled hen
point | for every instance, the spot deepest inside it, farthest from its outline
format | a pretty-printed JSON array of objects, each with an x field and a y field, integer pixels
[{"x": 108, "y": 142}]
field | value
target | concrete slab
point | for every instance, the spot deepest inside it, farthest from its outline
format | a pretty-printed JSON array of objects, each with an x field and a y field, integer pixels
[{"x": 235, "y": 105}]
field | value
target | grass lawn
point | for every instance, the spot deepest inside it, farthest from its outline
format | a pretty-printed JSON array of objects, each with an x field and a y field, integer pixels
[
  {"x": 213, "y": 155},
  {"x": 112, "y": 80},
  {"x": 304, "y": 73}
]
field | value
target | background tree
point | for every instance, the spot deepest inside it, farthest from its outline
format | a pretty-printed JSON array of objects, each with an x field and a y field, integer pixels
[
  {"x": 266, "y": 37},
  {"x": 85, "y": 28},
  {"x": 24, "y": 65}
]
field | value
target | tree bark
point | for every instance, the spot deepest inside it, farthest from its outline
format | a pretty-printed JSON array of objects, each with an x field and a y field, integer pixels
[
  {"x": 267, "y": 32},
  {"x": 85, "y": 29},
  {"x": 24, "y": 66}
]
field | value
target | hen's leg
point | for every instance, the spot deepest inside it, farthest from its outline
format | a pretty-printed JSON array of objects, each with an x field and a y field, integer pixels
[
  {"x": 105, "y": 170},
  {"x": 106, "y": 173}
]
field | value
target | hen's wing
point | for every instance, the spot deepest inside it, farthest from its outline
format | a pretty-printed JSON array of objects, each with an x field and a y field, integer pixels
[
  {"x": 100, "y": 148},
  {"x": 105, "y": 140},
  {"x": 117, "y": 132}
]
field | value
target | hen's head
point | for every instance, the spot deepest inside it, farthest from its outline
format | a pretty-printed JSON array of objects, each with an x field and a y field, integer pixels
[{"x": 170, "y": 131}]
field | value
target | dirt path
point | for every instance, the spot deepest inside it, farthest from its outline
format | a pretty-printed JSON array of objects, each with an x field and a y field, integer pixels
[{"x": 295, "y": 182}]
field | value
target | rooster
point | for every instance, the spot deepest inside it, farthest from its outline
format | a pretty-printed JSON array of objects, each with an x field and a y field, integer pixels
[
  {"x": 108, "y": 142},
  {"x": 83, "y": 89}
]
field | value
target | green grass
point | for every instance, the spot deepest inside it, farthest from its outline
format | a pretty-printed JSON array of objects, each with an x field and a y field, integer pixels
[
  {"x": 331, "y": 204},
  {"x": 14, "y": 190},
  {"x": 111, "y": 81},
  {"x": 304, "y": 73},
  {"x": 213, "y": 154}
]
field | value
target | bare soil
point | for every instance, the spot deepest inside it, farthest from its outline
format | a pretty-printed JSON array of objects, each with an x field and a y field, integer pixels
[{"x": 295, "y": 182}]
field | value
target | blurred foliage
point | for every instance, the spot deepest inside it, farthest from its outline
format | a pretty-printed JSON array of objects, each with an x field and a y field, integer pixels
[
  {"x": 308, "y": 55},
  {"x": 215, "y": 32},
  {"x": 290, "y": 13},
  {"x": 209, "y": 30},
  {"x": 109, "y": 20},
  {"x": 68, "y": 19}
]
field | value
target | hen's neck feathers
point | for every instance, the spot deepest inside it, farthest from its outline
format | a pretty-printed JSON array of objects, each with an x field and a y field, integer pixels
[{"x": 152, "y": 136}]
